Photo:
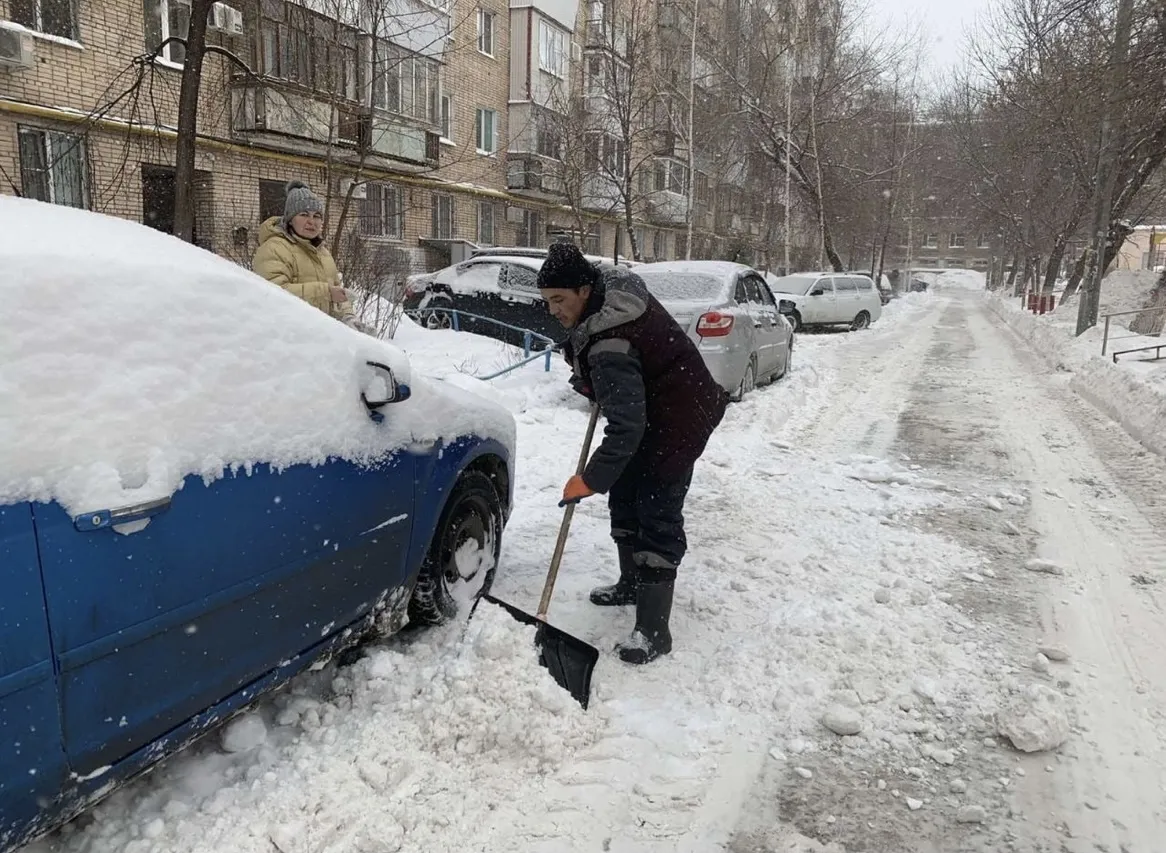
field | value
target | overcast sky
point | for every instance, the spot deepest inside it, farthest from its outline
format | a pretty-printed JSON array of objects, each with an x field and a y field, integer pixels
[{"x": 943, "y": 21}]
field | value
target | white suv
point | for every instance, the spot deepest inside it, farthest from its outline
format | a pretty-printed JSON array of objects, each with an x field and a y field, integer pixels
[{"x": 828, "y": 299}]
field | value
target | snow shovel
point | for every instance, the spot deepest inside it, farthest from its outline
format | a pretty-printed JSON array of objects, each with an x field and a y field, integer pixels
[{"x": 569, "y": 660}]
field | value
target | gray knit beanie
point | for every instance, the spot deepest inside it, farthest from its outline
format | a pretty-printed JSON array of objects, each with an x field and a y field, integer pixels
[{"x": 299, "y": 200}]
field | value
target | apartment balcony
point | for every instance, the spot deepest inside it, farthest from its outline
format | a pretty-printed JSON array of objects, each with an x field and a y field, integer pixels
[
  {"x": 668, "y": 208},
  {"x": 281, "y": 116},
  {"x": 535, "y": 176},
  {"x": 601, "y": 193}
]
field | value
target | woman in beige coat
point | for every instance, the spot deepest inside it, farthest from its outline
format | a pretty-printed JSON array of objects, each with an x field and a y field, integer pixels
[{"x": 292, "y": 254}]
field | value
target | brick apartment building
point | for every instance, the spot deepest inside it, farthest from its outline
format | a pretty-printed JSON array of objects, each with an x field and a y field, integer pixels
[{"x": 439, "y": 130}]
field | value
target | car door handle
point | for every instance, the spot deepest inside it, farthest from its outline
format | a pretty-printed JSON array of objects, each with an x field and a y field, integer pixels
[{"x": 99, "y": 520}]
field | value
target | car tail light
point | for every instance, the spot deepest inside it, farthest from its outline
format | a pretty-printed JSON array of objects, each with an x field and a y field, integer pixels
[{"x": 714, "y": 324}]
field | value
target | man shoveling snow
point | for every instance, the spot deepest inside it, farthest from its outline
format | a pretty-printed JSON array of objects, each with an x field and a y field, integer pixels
[{"x": 662, "y": 405}]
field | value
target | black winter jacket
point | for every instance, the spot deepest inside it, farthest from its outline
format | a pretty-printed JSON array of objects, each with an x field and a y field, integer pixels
[{"x": 634, "y": 359}]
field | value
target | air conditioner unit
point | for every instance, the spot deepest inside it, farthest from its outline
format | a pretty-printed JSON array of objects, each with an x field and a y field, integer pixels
[
  {"x": 225, "y": 19},
  {"x": 360, "y": 191},
  {"x": 514, "y": 215},
  {"x": 15, "y": 46}
]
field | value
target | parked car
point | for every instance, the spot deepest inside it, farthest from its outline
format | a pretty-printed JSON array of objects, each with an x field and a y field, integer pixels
[
  {"x": 496, "y": 284},
  {"x": 730, "y": 314},
  {"x": 206, "y": 486},
  {"x": 829, "y": 299}
]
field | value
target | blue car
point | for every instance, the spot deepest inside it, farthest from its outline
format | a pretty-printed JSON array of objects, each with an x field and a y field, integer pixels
[{"x": 239, "y": 487}]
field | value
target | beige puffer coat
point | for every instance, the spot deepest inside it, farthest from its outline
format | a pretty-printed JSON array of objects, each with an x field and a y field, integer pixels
[{"x": 300, "y": 268}]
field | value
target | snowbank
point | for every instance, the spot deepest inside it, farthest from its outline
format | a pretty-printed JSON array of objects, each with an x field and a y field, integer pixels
[
  {"x": 130, "y": 360},
  {"x": 955, "y": 279},
  {"x": 1132, "y": 393}
]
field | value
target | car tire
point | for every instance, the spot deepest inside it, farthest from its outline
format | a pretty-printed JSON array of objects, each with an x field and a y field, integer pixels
[
  {"x": 795, "y": 321},
  {"x": 862, "y": 321},
  {"x": 748, "y": 381},
  {"x": 436, "y": 320},
  {"x": 472, "y": 513}
]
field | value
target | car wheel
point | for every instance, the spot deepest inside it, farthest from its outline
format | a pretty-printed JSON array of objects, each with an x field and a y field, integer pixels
[
  {"x": 748, "y": 381},
  {"x": 440, "y": 318},
  {"x": 459, "y": 567},
  {"x": 862, "y": 321},
  {"x": 795, "y": 320}
]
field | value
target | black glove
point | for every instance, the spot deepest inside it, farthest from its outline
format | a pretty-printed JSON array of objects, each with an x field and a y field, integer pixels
[{"x": 581, "y": 387}]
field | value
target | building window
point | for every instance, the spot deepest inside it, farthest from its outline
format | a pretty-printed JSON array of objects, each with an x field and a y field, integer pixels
[
  {"x": 382, "y": 211},
  {"x": 159, "y": 188},
  {"x": 530, "y": 230},
  {"x": 51, "y": 17},
  {"x": 443, "y": 217},
  {"x": 486, "y": 223},
  {"x": 447, "y": 118},
  {"x": 658, "y": 251},
  {"x": 552, "y": 49},
  {"x": 485, "y": 130},
  {"x": 486, "y": 32},
  {"x": 52, "y": 166},
  {"x": 671, "y": 176},
  {"x": 167, "y": 19},
  {"x": 702, "y": 188},
  {"x": 272, "y": 196},
  {"x": 407, "y": 84},
  {"x": 305, "y": 47},
  {"x": 930, "y": 241},
  {"x": 606, "y": 154},
  {"x": 983, "y": 242},
  {"x": 547, "y": 141},
  {"x": 956, "y": 241}
]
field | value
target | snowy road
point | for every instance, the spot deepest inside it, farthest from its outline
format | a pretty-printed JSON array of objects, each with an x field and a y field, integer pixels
[{"x": 859, "y": 538}]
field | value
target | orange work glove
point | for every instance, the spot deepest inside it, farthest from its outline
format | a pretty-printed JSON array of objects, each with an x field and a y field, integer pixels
[{"x": 575, "y": 491}]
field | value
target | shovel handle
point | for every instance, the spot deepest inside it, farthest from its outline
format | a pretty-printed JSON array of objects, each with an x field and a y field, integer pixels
[{"x": 569, "y": 513}]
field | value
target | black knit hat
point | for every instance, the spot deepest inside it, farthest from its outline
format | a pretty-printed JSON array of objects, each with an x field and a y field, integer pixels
[{"x": 566, "y": 268}]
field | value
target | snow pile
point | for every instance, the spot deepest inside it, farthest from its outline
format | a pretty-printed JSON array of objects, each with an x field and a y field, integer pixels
[
  {"x": 1132, "y": 393},
  {"x": 130, "y": 360},
  {"x": 957, "y": 279},
  {"x": 1122, "y": 290},
  {"x": 1035, "y": 720}
]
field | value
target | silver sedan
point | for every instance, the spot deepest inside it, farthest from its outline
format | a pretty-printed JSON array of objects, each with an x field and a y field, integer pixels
[{"x": 730, "y": 314}]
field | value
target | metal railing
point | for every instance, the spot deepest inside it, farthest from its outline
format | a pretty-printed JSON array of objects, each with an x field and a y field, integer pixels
[
  {"x": 528, "y": 337},
  {"x": 1107, "y": 338}
]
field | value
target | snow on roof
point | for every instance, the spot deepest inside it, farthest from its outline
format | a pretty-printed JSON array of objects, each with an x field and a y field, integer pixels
[{"x": 130, "y": 359}]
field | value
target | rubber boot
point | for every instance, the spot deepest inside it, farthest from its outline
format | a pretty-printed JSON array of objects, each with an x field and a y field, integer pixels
[
  {"x": 623, "y": 591},
  {"x": 651, "y": 637}
]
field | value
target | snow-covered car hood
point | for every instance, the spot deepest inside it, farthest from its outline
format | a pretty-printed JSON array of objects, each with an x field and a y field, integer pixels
[{"x": 130, "y": 360}]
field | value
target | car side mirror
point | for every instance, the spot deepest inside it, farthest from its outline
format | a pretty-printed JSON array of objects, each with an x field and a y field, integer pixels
[
  {"x": 384, "y": 389},
  {"x": 817, "y": 291},
  {"x": 785, "y": 307}
]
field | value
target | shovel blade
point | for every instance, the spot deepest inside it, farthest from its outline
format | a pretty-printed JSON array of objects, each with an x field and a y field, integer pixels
[{"x": 569, "y": 660}]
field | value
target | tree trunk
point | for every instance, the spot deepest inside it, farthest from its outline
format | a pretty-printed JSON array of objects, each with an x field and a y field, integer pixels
[
  {"x": 828, "y": 248},
  {"x": 1076, "y": 276},
  {"x": 1012, "y": 274},
  {"x": 1054, "y": 265},
  {"x": 188, "y": 121}
]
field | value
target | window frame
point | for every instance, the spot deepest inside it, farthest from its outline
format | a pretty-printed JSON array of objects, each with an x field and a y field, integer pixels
[
  {"x": 445, "y": 117},
  {"x": 48, "y": 141},
  {"x": 931, "y": 241},
  {"x": 957, "y": 240},
  {"x": 487, "y": 213},
  {"x": 480, "y": 131},
  {"x": 983, "y": 241},
  {"x": 299, "y": 46},
  {"x": 436, "y": 203},
  {"x": 396, "y": 75},
  {"x": 389, "y": 224},
  {"x": 486, "y": 34},
  {"x": 552, "y": 49},
  {"x": 36, "y": 19}
]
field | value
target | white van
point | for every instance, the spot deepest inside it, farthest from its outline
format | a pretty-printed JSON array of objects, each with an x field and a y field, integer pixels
[{"x": 828, "y": 299}]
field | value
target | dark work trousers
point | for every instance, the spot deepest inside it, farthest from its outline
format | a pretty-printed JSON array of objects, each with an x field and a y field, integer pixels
[{"x": 647, "y": 513}]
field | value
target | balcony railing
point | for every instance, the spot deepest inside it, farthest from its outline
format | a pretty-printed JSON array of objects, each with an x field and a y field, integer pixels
[{"x": 276, "y": 109}]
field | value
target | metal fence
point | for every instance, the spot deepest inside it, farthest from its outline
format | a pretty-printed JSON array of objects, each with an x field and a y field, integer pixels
[
  {"x": 528, "y": 337},
  {"x": 1107, "y": 338}
]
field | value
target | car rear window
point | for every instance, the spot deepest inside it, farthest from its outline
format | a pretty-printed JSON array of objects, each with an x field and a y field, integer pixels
[{"x": 677, "y": 286}]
